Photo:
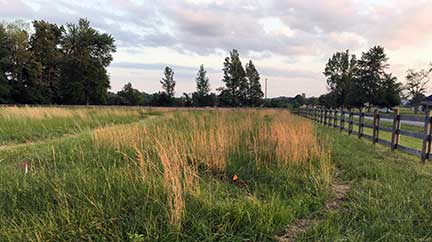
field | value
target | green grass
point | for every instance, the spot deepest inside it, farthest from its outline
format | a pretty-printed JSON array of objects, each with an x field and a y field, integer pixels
[
  {"x": 390, "y": 197},
  {"x": 16, "y": 130},
  {"x": 78, "y": 191}
]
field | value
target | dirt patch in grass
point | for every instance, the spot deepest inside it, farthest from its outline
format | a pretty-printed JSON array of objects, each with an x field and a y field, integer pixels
[{"x": 300, "y": 226}]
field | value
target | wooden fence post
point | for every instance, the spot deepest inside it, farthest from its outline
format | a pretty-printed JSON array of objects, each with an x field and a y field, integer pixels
[
  {"x": 342, "y": 120},
  {"x": 426, "y": 137},
  {"x": 325, "y": 116},
  {"x": 361, "y": 123},
  {"x": 376, "y": 121},
  {"x": 396, "y": 130},
  {"x": 335, "y": 118},
  {"x": 350, "y": 122}
]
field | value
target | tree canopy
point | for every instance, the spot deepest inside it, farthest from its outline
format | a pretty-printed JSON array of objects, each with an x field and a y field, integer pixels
[
  {"x": 55, "y": 64},
  {"x": 356, "y": 83}
]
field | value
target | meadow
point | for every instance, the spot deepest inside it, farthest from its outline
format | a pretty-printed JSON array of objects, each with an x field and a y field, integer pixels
[
  {"x": 203, "y": 175},
  {"x": 167, "y": 175}
]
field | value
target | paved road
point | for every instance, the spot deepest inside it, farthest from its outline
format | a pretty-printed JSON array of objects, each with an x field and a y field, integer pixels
[{"x": 412, "y": 123}]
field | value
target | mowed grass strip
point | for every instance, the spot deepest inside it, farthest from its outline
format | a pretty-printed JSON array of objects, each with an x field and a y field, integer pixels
[
  {"x": 390, "y": 197},
  {"x": 33, "y": 124},
  {"x": 171, "y": 180}
]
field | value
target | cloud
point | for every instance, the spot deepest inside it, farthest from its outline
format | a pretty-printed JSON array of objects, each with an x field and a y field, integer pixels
[{"x": 296, "y": 37}]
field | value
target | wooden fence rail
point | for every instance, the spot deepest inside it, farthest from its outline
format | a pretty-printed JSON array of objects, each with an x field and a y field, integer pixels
[{"x": 345, "y": 120}]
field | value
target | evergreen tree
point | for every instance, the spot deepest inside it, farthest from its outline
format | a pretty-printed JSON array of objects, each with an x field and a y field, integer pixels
[
  {"x": 201, "y": 97},
  {"x": 87, "y": 54},
  {"x": 255, "y": 94},
  {"x": 202, "y": 82},
  {"x": 236, "y": 87},
  {"x": 168, "y": 82}
]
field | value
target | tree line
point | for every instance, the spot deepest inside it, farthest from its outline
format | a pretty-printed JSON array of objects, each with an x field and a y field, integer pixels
[
  {"x": 242, "y": 89},
  {"x": 55, "y": 64},
  {"x": 46, "y": 63},
  {"x": 366, "y": 82}
]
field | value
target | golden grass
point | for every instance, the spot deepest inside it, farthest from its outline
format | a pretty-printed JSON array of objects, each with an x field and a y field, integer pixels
[
  {"x": 38, "y": 113},
  {"x": 175, "y": 148},
  {"x": 286, "y": 140},
  {"x": 35, "y": 112}
]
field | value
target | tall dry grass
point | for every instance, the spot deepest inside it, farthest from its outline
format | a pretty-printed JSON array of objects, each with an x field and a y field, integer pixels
[
  {"x": 38, "y": 113},
  {"x": 184, "y": 142},
  {"x": 285, "y": 140}
]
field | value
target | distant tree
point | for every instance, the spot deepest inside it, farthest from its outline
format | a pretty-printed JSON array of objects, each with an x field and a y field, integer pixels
[
  {"x": 168, "y": 82},
  {"x": 341, "y": 71},
  {"x": 236, "y": 87},
  {"x": 162, "y": 99},
  {"x": 202, "y": 82},
  {"x": 389, "y": 94},
  {"x": 185, "y": 100},
  {"x": 131, "y": 95},
  {"x": 87, "y": 54},
  {"x": 201, "y": 97},
  {"x": 255, "y": 94},
  {"x": 313, "y": 101},
  {"x": 299, "y": 100},
  {"x": 45, "y": 45},
  {"x": 416, "y": 86},
  {"x": 278, "y": 102},
  {"x": 328, "y": 100},
  {"x": 372, "y": 67},
  {"x": 114, "y": 99}
]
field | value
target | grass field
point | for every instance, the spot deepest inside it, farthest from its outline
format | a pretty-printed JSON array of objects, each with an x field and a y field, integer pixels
[
  {"x": 165, "y": 178},
  {"x": 390, "y": 197},
  {"x": 32, "y": 124},
  {"x": 189, "y": 175}
]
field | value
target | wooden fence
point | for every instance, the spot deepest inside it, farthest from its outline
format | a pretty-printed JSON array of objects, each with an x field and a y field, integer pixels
[{"x": 345, "y": 120}]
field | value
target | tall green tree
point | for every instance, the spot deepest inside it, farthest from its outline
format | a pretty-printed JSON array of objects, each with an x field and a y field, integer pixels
[
  {"x": 389, "y": 94},
  {"x": 5, "y": 65},
  {"x": 340, "y": 71},
  {"x": 255, "y": 93},
  {"x": 45, "y": 45},
  {"x": 168, "y": 82},
  {"x": 202, "y": 82},
  {"x": 87, "y": 54},
  {"x": 201, "y": 97},
  {"x": 416, "y": 86},
  {"x": 24, "y": 74},
  {"x": 372, "y": 72},
  {"x": 236, "y": 87}
]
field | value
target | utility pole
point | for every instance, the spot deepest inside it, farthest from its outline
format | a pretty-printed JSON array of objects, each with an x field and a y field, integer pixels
[{"x": 265, "y": 96}]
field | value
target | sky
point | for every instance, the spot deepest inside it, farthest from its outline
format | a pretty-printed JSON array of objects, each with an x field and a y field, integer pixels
[{"x": 289, "y": 41}]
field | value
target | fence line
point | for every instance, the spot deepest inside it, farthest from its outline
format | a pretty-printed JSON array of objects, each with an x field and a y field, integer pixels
[{"x": 337, "y": 119}]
